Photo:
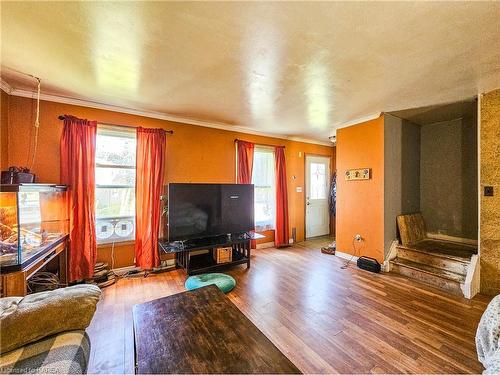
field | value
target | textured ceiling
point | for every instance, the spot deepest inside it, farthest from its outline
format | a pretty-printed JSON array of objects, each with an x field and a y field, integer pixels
[{"x": 297, "y": 69}]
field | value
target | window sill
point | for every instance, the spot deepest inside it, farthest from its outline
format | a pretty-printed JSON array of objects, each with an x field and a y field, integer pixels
[
  {"x": 117, "y": 244},
  {"x": 263, "y": 229}
]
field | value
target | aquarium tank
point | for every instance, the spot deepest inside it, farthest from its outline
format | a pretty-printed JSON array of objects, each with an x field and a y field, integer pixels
[{"x": 33, "y": 220}]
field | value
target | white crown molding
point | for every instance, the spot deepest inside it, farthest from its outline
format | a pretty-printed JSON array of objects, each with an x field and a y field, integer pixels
[
  {"x": 304, "y": 140},
  {"x": 156, "y": 115},
  {"x": 357, "y": 121}
]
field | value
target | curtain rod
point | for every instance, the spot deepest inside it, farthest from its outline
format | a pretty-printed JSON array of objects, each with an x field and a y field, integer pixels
[
  {"x": 62, "y": 117},
  {"x": 258, "y": 144}
]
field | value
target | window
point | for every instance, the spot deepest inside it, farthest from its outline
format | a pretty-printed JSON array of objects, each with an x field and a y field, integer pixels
[
  {"x": 265, "y": 189},
  {"x": 318, "y": 181},
  {"x": 115, "y": 184}
]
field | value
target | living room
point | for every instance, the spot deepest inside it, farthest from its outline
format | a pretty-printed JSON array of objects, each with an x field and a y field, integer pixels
[{"x": 348, "y": 225}]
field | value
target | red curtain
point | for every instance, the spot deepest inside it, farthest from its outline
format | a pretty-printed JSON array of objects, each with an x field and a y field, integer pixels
[
  {"x": 245, "y": 162},
  {"x": 78, "y": 172},
  {"x": 245, "y": 167},
  {"x": 151, "y": 144},
  {"x": 281, "y": 233}
]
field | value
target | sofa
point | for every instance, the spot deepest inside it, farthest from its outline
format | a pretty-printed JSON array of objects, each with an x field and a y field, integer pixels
[
  {"x": 45, "y": 332},
  {"x": 488, "y": 338}
]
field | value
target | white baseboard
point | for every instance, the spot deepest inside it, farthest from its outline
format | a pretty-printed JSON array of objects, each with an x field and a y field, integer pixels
[
  {"x": 342, "y": 255},
  {"x": 471, "y": 285},
  {"x": 393, "y": 253},
  {"x": 265, "y": 245}
]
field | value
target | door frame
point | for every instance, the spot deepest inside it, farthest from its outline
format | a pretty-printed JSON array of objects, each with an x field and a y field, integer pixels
[{"x": 306, "y": 155}]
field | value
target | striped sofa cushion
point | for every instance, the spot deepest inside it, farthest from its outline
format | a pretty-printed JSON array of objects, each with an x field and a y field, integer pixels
[{"x": 64, "y": 353}]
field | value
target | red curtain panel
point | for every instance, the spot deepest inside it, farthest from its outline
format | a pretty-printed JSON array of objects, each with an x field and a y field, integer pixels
[
  {"x": 281, "y": 234},
  {"x": 78, "y": 172},
  {"x": 151, "y": 145},
  {"x": 245, "y": 152},
  {"x": 245, "y": 162}
]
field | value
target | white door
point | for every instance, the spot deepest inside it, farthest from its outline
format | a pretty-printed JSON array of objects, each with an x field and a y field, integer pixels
[{"x": 317, "y": 191}]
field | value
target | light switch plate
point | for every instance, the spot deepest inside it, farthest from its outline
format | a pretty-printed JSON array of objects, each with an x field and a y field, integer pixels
[
  {"x": 298, "y": 189},
  {"x": 488, "y": 191}
]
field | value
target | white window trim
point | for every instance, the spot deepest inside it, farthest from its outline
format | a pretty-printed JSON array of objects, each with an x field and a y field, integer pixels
[
  {"x": 269, "y": 150},
  {"x": 119, "y": 132}
]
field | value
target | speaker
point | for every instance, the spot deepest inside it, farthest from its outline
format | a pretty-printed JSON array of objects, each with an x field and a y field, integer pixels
[{"x": 368, "y": 264}]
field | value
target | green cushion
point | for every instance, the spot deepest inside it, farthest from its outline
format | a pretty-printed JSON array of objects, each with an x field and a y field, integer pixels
[{"x": 224, "y": 282}]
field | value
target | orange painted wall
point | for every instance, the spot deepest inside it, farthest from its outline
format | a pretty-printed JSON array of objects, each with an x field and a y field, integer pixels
[
  {"x": 360, "y": 204},
  {"x": 4, "y": 120},
  {"x": 194, "y": 154}
]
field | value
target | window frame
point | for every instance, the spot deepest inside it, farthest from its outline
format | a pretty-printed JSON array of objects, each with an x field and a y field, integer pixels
[
  {"x": 118, "y": 132},
  {"x": 268, "y": 150}
]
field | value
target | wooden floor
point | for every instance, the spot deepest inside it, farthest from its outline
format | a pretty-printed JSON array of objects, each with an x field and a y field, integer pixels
[{"x": 323, "y": 318}]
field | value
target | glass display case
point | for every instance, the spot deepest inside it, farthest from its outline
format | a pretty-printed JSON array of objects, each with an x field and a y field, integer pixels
[{"x": 33, "y": 220}]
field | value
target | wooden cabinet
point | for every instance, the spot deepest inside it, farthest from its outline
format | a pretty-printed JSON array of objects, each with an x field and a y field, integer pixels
[{"x": 15, "y": 283}]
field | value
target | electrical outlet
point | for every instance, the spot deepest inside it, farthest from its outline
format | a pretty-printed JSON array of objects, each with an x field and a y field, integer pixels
[{"x": 358, "y": 237}]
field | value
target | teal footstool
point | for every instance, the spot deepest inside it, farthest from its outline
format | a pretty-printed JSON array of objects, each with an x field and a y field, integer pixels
[{"x": 224, "y": 282}]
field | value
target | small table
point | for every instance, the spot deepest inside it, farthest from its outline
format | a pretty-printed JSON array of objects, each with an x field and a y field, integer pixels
[
  {"x": 15, "y": 283},
  {"x": 202, "y": 331}
]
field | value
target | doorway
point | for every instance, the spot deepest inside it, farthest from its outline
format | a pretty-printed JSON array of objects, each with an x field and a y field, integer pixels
[{"x": 317, "y": 191}]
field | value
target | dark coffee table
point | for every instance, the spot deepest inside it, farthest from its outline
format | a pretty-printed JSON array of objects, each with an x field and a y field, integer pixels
[{"x": 202, "y": 331}]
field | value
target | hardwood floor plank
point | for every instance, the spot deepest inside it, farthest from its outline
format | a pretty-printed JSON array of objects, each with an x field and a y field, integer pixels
[{"x": 324, "y": 318}]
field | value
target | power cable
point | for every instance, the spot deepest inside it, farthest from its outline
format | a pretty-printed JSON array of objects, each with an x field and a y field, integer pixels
[{"x": 354, "y": 251}]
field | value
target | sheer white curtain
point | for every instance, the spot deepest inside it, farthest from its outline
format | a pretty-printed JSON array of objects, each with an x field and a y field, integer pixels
[{"x": 263, "y": 178}]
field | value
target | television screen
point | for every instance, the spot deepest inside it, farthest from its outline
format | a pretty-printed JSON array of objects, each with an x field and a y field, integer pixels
[{"x": 203, "y": 210}]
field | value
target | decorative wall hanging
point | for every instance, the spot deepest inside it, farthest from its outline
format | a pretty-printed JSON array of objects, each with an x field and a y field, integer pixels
[{"x": 358, "y": 174}]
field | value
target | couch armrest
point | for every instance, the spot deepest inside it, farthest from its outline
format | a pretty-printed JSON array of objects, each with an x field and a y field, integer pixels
[{"x": 45, "y": 314}]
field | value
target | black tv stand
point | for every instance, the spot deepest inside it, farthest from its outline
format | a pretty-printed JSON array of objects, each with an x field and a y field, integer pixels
[{"x": 204, "y": 263}]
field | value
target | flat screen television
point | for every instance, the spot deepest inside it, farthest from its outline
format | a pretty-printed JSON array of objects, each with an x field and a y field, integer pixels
[{"x": 206, "y": 210}]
